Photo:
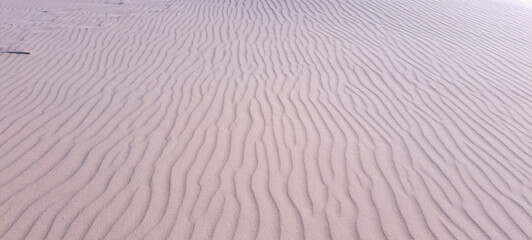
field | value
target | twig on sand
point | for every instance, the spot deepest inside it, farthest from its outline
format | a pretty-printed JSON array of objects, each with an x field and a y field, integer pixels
[{"x": 16, "y": 52}]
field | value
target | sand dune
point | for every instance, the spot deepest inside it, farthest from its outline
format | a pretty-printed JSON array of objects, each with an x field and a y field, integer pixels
[{"x": 298, "y": 119}]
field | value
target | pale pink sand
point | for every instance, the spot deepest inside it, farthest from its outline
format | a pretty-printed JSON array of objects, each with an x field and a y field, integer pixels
[{"x": 296, "y": 119}]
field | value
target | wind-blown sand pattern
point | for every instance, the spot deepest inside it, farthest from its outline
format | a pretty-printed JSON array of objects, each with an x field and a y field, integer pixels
[{"x": 297, "y": 119}]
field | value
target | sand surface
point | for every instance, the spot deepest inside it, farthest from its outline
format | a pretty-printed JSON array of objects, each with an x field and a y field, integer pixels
[{"x": 259, "y": 119}]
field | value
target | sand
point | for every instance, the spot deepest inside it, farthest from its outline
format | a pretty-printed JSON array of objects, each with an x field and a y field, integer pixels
[{"x": 296, "y": 119}]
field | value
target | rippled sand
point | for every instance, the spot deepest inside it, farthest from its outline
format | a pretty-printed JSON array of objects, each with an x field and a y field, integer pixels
[{"x": 296, "y": 119}]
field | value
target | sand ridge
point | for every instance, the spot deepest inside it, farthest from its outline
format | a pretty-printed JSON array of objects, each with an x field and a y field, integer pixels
[{"x": 364, "y": 119}]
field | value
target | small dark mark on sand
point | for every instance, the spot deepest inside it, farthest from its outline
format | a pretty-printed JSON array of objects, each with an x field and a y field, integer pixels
[{"x": 16, "y": 52}]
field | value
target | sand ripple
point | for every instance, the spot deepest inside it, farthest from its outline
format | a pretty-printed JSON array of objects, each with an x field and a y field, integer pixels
[{"x": 300, "y": 119}]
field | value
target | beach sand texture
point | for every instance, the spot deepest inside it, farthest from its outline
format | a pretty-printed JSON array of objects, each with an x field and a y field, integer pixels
[{"x": 255, "y": 119}]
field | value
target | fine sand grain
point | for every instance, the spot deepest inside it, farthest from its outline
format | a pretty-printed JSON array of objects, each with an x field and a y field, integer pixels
[{"x": 265, "y": 119}]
